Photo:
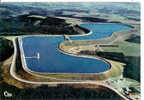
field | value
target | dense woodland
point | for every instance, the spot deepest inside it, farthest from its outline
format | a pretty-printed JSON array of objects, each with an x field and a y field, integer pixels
[
  {"x": 60, "y": 92},
  {"x": 28, "y": 24},
  {"x": 6, "y": 48}
]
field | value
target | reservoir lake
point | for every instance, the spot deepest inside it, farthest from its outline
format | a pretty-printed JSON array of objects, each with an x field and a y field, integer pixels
[{"x": 52, "y": 60}]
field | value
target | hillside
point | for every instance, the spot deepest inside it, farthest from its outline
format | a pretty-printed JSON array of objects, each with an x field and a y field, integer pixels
[
  {"x": 117, "y": 12},
  {"x": 28, "y": 24},
  {"x": 11, "y": 13}
]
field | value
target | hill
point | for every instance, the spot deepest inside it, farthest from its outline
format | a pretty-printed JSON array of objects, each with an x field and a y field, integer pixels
[{"x": 28, "y": 24}]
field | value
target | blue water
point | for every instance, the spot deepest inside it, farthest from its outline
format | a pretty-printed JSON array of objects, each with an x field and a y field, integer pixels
[{"x": 53, "y": 61}]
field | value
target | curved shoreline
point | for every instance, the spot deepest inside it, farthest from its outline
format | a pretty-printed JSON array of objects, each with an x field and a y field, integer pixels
[
  {"x": 54, "y": 76},
  {"x": 89, "y": 33},
  {"x": 27, "y": 69},
  {"x": 60, "y": 50},
  {"x": 99, "y": 58}
]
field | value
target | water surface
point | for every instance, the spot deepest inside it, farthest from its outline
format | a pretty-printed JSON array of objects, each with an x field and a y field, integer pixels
[{"x": 53, "y": 61}]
